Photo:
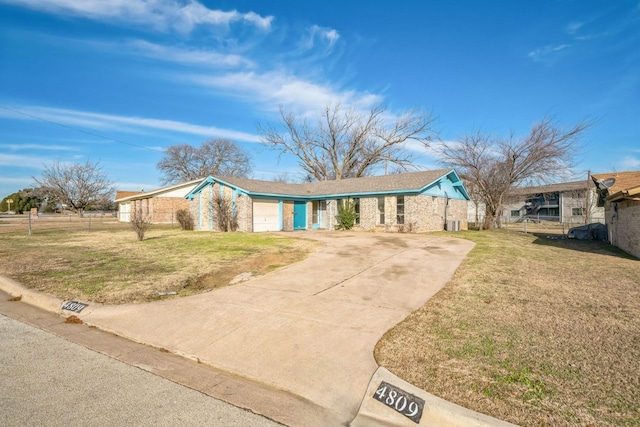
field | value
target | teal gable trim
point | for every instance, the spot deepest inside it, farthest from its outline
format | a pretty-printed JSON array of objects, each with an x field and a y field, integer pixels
[
  {"x": 196, "y": 190},
  {"x": 449, "y": 185},
  {"x": 281, "y": 214},
  {"x": 200, "y": 211},
  {"x": 444, "y": 187},
  {"x": 210, "y": 207}
]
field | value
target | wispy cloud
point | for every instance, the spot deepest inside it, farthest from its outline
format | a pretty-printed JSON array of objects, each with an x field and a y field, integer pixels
[
  {"x": 574, "y": 27},
  {"x": 543, "y": 53},
  {"x": 33, "y": 162},
  {"x": 281, "y": 88},
  {"x": 43, "y": 147},
  {"x": 98, "y": 121},
  {"x": 630, "y": 162},
  {"x": 327, "y": 36},
  {"x": 185, "y": 55},
  {"x": 179, "y": 15}
]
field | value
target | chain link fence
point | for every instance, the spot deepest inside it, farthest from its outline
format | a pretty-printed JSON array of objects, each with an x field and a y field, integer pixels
[{"x": 33, "y": 223}]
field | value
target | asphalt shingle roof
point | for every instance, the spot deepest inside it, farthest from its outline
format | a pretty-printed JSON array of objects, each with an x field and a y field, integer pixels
[
  {"x": 551, "y": 188},
  {"x": 623, "y": 180},
  {"x": 371, "y": 184}
]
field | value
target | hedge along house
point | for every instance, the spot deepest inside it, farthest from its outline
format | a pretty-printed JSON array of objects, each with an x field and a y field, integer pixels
[
  {"x": 418, "y": 201},
  {"x": 620, "y": 195},
  {"x": 159, "y": 205}
]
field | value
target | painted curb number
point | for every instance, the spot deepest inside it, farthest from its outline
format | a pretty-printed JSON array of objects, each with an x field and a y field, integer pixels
[
  {"x": 407, "y": 404},
  {"x": 74, "y": 306}
]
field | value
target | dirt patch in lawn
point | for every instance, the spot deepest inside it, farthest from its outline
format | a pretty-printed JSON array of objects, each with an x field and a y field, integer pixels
[{"x": 532, "y": 329}]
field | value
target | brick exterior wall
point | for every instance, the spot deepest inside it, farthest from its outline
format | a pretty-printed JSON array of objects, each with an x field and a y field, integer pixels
[
  {"x": 159, "y": 210},
  {"x": 204, "y": 213},
  {"x": 244, "y": 213},
  {"x": 421, "y": 214},
  {"x": 287, "y": 209},
  {"x": 624, "y": 226}
]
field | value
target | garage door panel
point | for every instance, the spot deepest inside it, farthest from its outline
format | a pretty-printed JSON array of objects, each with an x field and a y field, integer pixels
[{"x": 266, "y": 215}]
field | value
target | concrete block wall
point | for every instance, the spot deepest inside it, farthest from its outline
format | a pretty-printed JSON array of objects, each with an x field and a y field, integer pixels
[{"x": 624, "y": 226}]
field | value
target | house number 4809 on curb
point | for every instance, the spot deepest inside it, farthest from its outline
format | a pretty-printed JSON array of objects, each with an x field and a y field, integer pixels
[{"x": 407, "y": 404}]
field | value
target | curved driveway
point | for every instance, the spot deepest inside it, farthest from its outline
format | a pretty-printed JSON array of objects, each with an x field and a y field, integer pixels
[{"x": 309, "y": 328}]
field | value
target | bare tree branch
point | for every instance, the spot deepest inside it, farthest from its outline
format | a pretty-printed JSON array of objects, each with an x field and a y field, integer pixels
[
  {"x": 185, "y": 162},
  {"x": 347, "y": 143},
  {"x": 494, "y": 165},
  {"x": 77, "y": 185}
]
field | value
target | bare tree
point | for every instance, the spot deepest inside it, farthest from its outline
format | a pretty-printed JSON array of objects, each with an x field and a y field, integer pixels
[
  {"x": 494, "y": 165},
  {"x": 223, "y": 212},
  {"x": 347, "y": 143},
  {"x": 140, "y": 223},
  {"x": 185, "y": 162},
  {"x": 77, "y": 185}
]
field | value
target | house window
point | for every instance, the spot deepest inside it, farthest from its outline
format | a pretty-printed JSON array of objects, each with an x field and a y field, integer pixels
[
  {"x": 515, "y": 213},
  {"x": 577, "y": 211},
  {"x": 380, "y": 210},
  {"x": 357, "y": 208},
  {"x": 318, "y": 208},
  {"x": 400, "y": 210}
]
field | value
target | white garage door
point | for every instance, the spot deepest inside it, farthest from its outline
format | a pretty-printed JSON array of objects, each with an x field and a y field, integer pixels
[{"x": 266, "y": 215}]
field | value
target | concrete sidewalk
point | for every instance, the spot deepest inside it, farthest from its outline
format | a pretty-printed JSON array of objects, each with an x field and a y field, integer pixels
[{"x": 308, "y": 329}]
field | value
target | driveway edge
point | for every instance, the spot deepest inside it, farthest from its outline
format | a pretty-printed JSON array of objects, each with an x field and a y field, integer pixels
[{"x": 436, "y": 411}]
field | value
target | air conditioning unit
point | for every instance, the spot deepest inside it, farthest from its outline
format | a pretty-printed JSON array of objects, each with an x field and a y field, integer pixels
[{"x": 453, "y": 225}]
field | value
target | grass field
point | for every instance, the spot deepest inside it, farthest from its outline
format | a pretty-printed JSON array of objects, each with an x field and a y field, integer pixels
[
  {"x": 534, "y": 330},
  {"x": 109, "y": 265}
]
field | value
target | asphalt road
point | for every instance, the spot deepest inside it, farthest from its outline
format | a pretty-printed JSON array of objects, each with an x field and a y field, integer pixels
[{"x": 47, "y": 380}]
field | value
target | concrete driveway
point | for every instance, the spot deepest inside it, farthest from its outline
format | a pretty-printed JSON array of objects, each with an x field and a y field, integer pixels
[{"x": 310, "y": 328}]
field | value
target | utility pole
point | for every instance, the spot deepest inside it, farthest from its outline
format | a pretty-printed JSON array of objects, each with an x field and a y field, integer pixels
[{"x": 588, "y": 198}]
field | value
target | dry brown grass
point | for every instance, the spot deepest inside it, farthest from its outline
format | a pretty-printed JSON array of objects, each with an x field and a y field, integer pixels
[
  {"x": 111, "y": 266},
  {"x": 531, "y": 330}
]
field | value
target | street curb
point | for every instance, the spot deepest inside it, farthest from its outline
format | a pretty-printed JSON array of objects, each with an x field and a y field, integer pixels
[
  {"x": 436, "y": 411},
  {"x": 30, "y": 296}
]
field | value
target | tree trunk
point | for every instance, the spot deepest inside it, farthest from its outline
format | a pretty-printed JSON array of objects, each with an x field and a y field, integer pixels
[{"x": 491, "y": 219}]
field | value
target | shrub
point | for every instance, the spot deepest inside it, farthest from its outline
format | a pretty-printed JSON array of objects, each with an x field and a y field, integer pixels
[
  {"x": 140, "y": 223},
  {"x": 346, "y": 214},
  {"x": 224, "y": 213},
  {"x": 185, "y": 219}
]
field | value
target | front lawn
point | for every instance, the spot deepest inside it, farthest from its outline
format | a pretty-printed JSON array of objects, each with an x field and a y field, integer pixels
[
  {"x": 111, "y": 266},
  {"x": 531, "y": 329}
]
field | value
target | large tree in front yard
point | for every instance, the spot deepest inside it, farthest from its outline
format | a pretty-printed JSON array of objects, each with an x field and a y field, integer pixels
[
  {"x": 346, "y": 142},
  {"x": 78, "y": 185},
  {"x": 492, "y": 165}
]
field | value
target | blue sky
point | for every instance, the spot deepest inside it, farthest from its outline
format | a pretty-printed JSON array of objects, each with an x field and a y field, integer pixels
[{"x": 117, "y": 81}]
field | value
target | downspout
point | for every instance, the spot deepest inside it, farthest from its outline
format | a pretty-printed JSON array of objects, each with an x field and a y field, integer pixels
[{"x": 446, "y": 205}]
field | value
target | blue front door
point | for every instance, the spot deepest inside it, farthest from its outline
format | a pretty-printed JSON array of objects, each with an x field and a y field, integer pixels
[{"x": 299, "y": 215}]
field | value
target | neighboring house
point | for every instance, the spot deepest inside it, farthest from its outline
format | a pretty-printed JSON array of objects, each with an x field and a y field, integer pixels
[
  {"x": 159, "y": 205},
  {"x": 419, "y": 201},
  {"x": 568, "y": 203},
  {"x": 620, "y": 195}
]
